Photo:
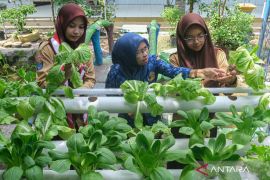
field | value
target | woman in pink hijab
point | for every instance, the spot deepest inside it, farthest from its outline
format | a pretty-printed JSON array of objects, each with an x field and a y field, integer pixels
[
  {"x": 195, "y": 50},
  {"x": 71, "y": 24}
]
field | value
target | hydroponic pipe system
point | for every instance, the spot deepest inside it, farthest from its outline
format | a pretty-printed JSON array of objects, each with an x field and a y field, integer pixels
[
  {"x": 170, "y": 105},
  {"x": 104, "y": 92}
]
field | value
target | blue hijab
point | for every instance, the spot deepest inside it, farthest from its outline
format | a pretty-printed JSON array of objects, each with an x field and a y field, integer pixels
[{"x": 124, "y": 54}]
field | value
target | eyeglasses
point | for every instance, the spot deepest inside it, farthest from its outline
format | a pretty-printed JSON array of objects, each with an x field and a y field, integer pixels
[
  {"x": 142, "y": 51},
  {"x": 200, "y": 38}
]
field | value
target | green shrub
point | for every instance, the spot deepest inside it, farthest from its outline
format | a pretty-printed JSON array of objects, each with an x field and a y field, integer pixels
[
  {"x": 229, "y": 28},
  {"x": 172, "y": 15}
]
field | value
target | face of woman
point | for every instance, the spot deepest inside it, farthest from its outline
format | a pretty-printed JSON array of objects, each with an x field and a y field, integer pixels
[
  {"x": 142, "y": 54},
  {"x": 75, "y": 29},
  {"x": 195, "y": 37}
]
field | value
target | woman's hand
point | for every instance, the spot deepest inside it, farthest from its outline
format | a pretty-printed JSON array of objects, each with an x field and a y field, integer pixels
[
  {"x": 227, "y": 80},
  {"x": 210, "y": 73},
  {"x": 230, "y": 77}
]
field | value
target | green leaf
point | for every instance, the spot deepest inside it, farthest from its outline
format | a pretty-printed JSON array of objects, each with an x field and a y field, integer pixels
[
  {"x": 255, "y": 77},
  {"x": 182, "y": 114},
  {"x": 23, "y": 128},
  {"x": 43, "y": 122},
  {"x": 21, "y": 72},
  {"x": 264, "y": 101},
  {"x": 142, "y": 141},
  {"x": 82, "y": 54},
  {"x": 219, "y": 122},
  {"x": 65, "y": 132},
  {"x": 5, "y": 118},
  {"x": 30, "y": 76},
  {"x": 206, "y": 126},
  {"x": 167, "y": 143},
  {"x": 50, "y": 107},
  {"x": 106, "y": 156},
  {"x": 45, "y": 144},
  {"x": 186, "y": 130},
  {"x": 95, "y": 139},
  {"x": 122, "y": 127},
  {"x": 91, "y": 175},
  {"x": 61, "y": 165},
  {"x": 55, "y": 76},
  {"x": 89, "y": 159},
  {"x": 25, "y": 109},
  {"x": 34, "y": 173},
  {"x": 261, "y": 136},
  {"x": 259, "y": 124},
  {"x": 29, "y": 89},
  {"x": 14, "y": 173},
  {"x": 138, "y": 121},
  {"x": 156, "y": 146},
  {"x": 43, "y": 161},
  {"x": 209, "y": 98},
  {"x": 37, "y": 102},
  {"x": 195, "y": 139},
  {"x": 3, "y": 87},
  {"x": 189, "y": 173},
  {"x": 75, "y": 77},
  {"x": 56, "y": 155},
  {"x": 29, "y": 161},
  {"x": 129, "y": 165},
  {"x": 240, "y": 138},
  {"x": 76, "y": 143},
  {"x": 160, "y": 173},
  {"x": 68, "y": 92},
  {"x": 64, "y": 47},
  {"x": 5, "y": 155},
  {"x": 131, "y": 97},
  {"x": 220, "y": 143},
  {"x": 151, "y": 101},
  {"x": 60, "y": 111},
  {"x": 204, "y": 115},
  {"x": 3, "y": 139},
  {"x": 178, "y": 123},
  {"x": 175, "y": 155},
  {"x": 92, "y": 112}
]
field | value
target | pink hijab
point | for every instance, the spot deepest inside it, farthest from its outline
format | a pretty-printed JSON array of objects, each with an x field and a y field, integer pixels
[
  {"x": 67, "y": 14},
  {"x": 191, "y": 59}
]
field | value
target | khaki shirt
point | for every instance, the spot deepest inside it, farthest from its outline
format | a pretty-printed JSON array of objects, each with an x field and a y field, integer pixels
[{"x": 45, "y": 56}]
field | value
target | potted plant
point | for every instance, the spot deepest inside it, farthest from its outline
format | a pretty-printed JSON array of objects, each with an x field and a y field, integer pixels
[
  {"x": 17, "y": 17},
  {"x": 229, "y": 28}
]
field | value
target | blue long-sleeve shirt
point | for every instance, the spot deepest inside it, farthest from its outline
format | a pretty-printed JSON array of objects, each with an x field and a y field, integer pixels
[
  {"x": 154, "y": 67},
  {"x": 115, "y": 78}
]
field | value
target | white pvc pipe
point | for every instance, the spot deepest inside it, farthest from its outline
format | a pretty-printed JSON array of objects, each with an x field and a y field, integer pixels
[
  {"x": 119, "y": 175},
  {"x": 170, "y": 105},
  {"x": 104, "y": 92}
]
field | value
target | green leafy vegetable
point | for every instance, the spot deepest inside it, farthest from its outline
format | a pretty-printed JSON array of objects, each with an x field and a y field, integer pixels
[{"x": 248, "y": 64}]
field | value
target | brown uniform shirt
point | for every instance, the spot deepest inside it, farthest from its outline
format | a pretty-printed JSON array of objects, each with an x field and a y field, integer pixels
[{"x": 45, "y": 56}]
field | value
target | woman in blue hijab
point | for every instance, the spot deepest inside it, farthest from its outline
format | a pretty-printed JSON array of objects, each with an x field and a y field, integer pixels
[{"x": 131, "y": 61}]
